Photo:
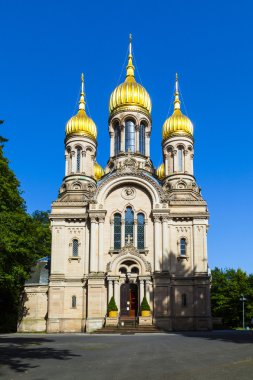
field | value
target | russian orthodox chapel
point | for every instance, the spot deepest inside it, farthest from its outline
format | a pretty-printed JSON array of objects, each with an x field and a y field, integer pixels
[{"x": 129, "y": 230}]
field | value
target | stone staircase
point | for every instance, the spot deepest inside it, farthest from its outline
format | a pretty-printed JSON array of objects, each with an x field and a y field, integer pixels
[{"x": 128, "y": 326}]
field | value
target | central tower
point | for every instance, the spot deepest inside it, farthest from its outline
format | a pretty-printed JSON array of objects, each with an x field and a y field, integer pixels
[{"x": 130, "y": 120}]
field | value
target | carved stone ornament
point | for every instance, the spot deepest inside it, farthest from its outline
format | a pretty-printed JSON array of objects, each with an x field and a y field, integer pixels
[
  {"x": 129, "y": 165},
  {"x": 129, "y": 249},
  {"x": 128, "y": 193}
]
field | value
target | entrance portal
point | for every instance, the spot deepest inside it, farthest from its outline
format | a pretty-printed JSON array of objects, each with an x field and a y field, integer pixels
[{"x": 129, "y": 300}]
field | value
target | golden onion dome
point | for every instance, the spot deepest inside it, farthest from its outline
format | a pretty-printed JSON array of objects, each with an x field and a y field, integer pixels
[
  {"x": 177, "y": 123},
  {"x": 98, "y": 171},
  {"x": 130, "y": 95},
  {"x": 160, "y": 171},
  {"x": 81, "y": 124}
]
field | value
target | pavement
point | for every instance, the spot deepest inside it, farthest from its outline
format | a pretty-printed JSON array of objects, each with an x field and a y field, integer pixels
[{"x": 178, "y": 356}]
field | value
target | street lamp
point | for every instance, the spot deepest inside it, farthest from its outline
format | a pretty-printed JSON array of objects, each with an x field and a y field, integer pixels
[{"x": 243, "y": 299}]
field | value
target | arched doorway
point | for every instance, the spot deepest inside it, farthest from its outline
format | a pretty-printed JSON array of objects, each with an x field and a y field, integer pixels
[{"x": 129, "y": 300}]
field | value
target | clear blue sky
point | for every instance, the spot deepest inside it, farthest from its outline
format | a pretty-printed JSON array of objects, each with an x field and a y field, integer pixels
[{"x": 44, "y": 47}]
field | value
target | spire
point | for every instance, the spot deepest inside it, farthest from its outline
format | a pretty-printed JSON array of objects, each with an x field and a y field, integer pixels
[
  {"x": 176, "y": 101},
  {"x": 81, "y": 101},
  {"x": 130, "y": 66}
]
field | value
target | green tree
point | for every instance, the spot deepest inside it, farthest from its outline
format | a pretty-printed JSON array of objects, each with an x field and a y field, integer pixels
[
  {"x": 23, "y": 239},
  {"x": 226, "y": 290}
]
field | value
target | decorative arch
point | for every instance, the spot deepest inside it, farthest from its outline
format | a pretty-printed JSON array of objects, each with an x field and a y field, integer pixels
[{"x": 132, "y": 254}]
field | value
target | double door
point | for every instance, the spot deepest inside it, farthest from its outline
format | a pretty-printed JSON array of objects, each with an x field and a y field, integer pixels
[{"x": 129, "y": 300}]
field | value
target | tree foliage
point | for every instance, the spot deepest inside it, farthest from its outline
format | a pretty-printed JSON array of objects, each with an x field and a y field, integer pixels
[
  {"x": 227, "y": 287},
  {"x": 23, "y": 239}
]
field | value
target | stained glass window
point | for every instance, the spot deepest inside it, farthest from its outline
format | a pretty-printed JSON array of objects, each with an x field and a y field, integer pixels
[
  {"x": 117, "y": 231},
  {"x": 182, "y": 247},
  {"x": 78, "y": 160},
  {"x": 142, "y": 139},
  {"x": 140, "y": 231},
  {"x": 75, "y": 248},
  {"x": 180, "y": 159},
  {"x": 73, "y": 301},
  {"x": 130, "y": 136},
  {"x": 116, "y": 139},
  {"x": 129, "y": 224}
]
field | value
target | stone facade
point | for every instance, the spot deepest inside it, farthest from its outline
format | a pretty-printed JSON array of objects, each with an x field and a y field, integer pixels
[{"x": 161, "y": 254}]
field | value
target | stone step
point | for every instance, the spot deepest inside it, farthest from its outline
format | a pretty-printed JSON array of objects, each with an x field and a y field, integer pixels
[{"x": 128, "y": 330}]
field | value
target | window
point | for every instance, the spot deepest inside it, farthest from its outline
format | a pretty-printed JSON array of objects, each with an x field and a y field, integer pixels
[
  {"x": 180, "y": 159},
  {"x": 129, "y": 136},
  {"x": 140, "y": 231},
  {"x": 73, "y": 303},
  {"x": 182, "y": 247},
  {"x": 142, "y": 139},
  {"x": 116, "y": 139},
  {"x": 117, "y": 231},
  {"x": 75, "y": 245},
  {"x": 78, "y": 160},
  {"x": 184, "y": 300},
  {"x": 129, "y": 225}
]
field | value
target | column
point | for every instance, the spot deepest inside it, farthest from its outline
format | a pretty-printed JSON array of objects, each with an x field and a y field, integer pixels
[
  {"x": 66, "y": 164},
  {"x": 175, "y": 166},
  {"x": 141, "y": 290},
  {"x": 93, "y": 246},
  {"x": 137, "y": 139},
  {"x": 112, "y": 234},
  {"x": 82, "y": 166},
  {"x": 110, "y": 290},
  {"x": 191, "y": 158},
  {"x": 135, "y": 233},
  {"x": 170, "y": 162},
  {"x": 101, "y": 245},
  {"x": 116, "y": 293},
  {"x": 166, "y": 165},
  {"x": 73, "y": 162},
  {"x": 123, "y": 233},
  {"x": 147, "y": 144},
  {"x": 147, "y": 291},
  {"x": 145, "y": 234},
  {"x": 122, "y": 138},
  {"x": 165, "y": 244},
  {"x": 157, "y": 238},
  {"x": 86, "y": 265},
  {"x": 112, "y": 153}
]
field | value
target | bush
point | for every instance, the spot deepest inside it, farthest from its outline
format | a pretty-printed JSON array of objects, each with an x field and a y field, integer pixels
[
  {"x": 112, "y": 305},
  {"x": 144, "y": 305}
]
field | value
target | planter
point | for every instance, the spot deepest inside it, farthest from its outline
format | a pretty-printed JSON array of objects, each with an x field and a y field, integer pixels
[
  {"x": 145, "y": 313},
  {"x": 113, "y": 314}
]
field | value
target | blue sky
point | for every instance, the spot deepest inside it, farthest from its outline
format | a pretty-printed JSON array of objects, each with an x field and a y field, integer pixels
[{"x": 44, "y": 47}]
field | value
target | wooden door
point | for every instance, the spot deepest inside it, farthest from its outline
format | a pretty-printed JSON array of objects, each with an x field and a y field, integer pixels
[{"x": 129, "y": 300}]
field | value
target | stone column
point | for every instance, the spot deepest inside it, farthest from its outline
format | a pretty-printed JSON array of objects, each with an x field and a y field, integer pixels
[
  {"x": 116, "y": 293},
  {"x": 185, "y": 161},
  {"x": 170, "y": 162},
  {"x": 110, "y": 290},
  {"x": 101, "y": 245},
  {"x": 137, "y": 139},
  {"x": 135, "y": 233},
  {"x": 112, "y": 234},
  {"x": 82, "y": 163},
  {"x": 147, "y": 291},
  {"x": 112, "y": 152},
  {"x": 66, "y": 164},
  {"x": 93, "y": 245},
  {"x": 165, "y": 244},
  {"x": 141, "y": 290},
  {"x": 166, "y": 165},
  {"x": 147, "y": 144},
  {"x": 73, "y": 166},
  {"x": 157, "y": 238},
  {"x": 145, "y": 234},
  {"x": 191, "y": 165},
  {"x": 175, "y": 165},
  {"x": 122, "y": 233},
  {"x": 122, "y": 138}
]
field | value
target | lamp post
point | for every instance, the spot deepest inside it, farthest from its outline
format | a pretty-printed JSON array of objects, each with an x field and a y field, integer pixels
[{"x": 243, "y": 299}]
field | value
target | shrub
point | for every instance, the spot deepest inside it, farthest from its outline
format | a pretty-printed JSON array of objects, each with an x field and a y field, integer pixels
[
  {"x": 144, "y": 305},
  {"x": 112, "y": 305}
]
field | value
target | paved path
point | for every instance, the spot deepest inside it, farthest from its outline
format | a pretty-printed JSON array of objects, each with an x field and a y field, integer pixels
[{"x": 183, "y": 356}]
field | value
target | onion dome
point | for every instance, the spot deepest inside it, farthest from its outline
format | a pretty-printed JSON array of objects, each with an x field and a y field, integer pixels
[
  {"x": 160, "y": 171},
  {"x": 81, "y": 124},
  {"x": 98, "y": 171},
  {"x": 130, "y": 95},
  {"x": 177, "y": 123}
]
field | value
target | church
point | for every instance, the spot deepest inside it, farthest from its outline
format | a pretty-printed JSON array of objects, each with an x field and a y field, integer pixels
[{"x": 129, "y": 231}]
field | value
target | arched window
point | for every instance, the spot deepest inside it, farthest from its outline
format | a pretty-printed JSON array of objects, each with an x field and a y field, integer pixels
[
  {"x": 116, "y": 139},
  {"x": 182, "y": 247},
  {"x": 180, "y": 159},
  {"x": 117, "y": 231},
  {"x": 184, "y": 300},
  {"x": 75, "y": 245},
  {"x": 129, "y": 136},
  {"x": 78, "y": 160},
  {"x": 73, "y": 303},
  {"x": 142, "y": 139},
  {"x": 140, "y": 231},
  {"x": 129, "y": 225}
]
